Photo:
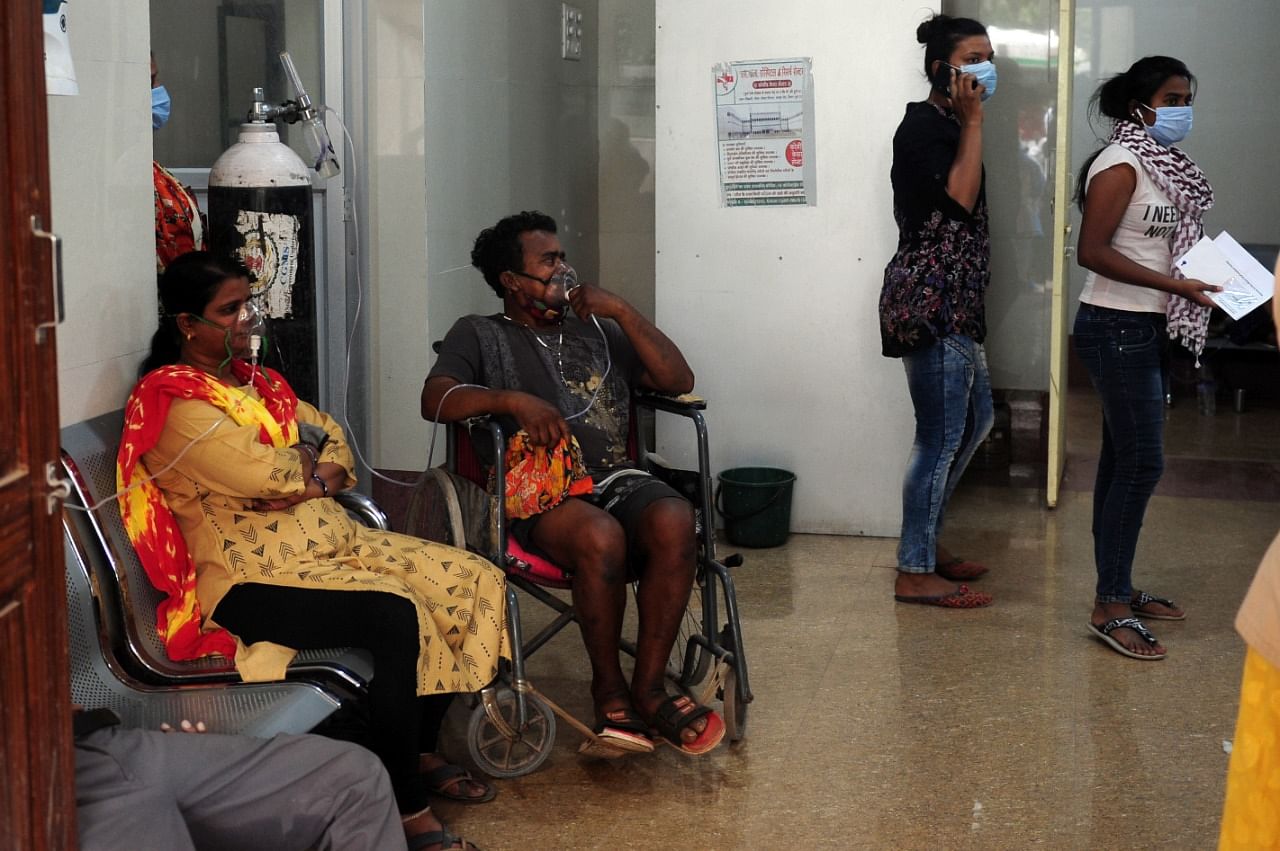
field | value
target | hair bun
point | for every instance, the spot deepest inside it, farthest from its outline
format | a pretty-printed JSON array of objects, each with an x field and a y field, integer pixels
[{"x": 932, "y": 27}]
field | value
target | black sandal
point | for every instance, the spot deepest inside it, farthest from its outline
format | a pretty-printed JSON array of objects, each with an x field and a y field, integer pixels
[
  {"x": 676, "y": 713},
  {"x": 1104, "y": 631},
  {"x": 443, "y": 838},
  {"x": 1142, "y": 598}
]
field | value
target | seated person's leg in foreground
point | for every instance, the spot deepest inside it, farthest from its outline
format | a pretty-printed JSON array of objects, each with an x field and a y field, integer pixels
[{"x": 151, "y": 790}]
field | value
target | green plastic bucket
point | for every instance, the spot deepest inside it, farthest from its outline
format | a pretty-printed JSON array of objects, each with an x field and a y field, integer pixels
[{"x": 755, "y": 503}]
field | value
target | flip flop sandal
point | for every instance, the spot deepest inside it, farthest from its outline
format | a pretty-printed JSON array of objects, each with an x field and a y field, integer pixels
[
  {"x": 961, "y": 598},
  {"x": 1104, "y": 631},
  {"x": 1143, "y": 598},
  {"x": 440, "y": 780},
  {"x": 443, "y": 838},
  {"x": 676, "y": 713},
  {"x": 960, "y": 570},
  {"x": 623, "y": 730}
]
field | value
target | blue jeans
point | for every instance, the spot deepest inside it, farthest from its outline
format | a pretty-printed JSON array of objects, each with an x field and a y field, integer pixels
[
  {"x": 951, "y": 392},
  {"x": 1122, "y": 349}
]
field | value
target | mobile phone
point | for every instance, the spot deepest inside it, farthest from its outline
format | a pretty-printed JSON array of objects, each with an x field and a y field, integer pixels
[{"x": 943, "y": 80}]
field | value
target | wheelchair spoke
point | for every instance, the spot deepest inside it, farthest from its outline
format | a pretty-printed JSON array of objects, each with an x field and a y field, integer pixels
[{"x": 488, "y": 742}]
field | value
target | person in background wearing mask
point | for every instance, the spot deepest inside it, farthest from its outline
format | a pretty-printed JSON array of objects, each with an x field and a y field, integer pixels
[
  {"x": 180, "y": 226},
  {"x": 1143, "y": 201},
  {"x": 933, "y": 301}
]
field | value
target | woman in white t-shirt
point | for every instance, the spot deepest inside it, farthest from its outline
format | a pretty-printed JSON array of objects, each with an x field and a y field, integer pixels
[{"x": 1143, "y": 200}]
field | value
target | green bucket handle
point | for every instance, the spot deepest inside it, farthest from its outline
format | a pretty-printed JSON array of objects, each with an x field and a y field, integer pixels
[{"x": 777, "y": 494}]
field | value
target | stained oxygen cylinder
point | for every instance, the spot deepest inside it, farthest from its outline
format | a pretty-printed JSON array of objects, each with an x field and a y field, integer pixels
[{"x": 260, "y": 210}]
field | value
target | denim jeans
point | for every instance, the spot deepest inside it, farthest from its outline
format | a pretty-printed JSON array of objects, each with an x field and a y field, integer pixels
[
  {"x": 1122, "y": 349},
  {"x": 951, "y": 392}
]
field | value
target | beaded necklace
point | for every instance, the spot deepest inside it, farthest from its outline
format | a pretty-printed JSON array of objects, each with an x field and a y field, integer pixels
[{"x": 559, "y": 350}]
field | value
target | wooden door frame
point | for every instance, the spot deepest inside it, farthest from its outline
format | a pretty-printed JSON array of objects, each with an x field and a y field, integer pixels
[{"x": 37, "y": 809}]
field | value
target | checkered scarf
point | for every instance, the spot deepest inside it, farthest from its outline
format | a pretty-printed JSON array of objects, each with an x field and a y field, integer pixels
[{"x": 1185, "y": 185}]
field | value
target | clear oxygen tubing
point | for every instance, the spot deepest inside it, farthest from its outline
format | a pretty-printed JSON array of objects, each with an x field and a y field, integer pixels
[{"x": 249, "y": 313}]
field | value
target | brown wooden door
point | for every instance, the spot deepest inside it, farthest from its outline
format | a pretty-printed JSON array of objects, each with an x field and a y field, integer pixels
[{"x": 37, "y": 802}]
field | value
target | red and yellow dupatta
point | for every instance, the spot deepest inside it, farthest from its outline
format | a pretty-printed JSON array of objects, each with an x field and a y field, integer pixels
[{"x": 147, "y": 518}]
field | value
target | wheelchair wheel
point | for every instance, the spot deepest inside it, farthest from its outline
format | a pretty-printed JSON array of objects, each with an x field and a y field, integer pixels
[
  {"x": 735, "y": 708},
  {"x": 500, "y": 755},
  {"x": 689, "y": 661}
]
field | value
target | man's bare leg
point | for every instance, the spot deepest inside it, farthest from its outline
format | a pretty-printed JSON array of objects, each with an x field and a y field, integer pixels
[
  {"x": 590, "y": 543},
  {"x": 666, "y": 540}
]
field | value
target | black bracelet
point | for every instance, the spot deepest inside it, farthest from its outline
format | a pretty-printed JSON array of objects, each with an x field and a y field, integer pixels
[
  {"x": 311, "y": 452},
  {"x": 323, "y": 487}
]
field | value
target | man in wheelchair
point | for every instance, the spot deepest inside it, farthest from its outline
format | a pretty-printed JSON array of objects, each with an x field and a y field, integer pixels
[{"x": 561, "y": 385}]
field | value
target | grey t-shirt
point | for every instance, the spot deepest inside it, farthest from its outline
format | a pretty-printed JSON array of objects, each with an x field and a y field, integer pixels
[{"x": 562, "y": 365}]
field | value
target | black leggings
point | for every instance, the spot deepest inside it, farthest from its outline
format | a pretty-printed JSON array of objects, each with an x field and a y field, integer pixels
[{"x": 403, "y": 724}]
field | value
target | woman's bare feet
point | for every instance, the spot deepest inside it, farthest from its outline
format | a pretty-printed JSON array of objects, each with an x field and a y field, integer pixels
[
  {"x": 922, "y": 585},
  {"x": 1126, "y": 637},
  {"x": 1157, "y": 608}
]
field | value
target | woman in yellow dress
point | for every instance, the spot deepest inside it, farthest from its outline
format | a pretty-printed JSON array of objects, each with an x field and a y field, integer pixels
[
  {"x": 239, "y": 529},
  {"x": 1251, "y": 814}
]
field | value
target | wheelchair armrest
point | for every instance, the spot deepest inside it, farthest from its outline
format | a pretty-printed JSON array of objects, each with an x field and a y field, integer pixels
[
  {"x": 685, "y": 405},
  {"x": 364, "y": 508}
]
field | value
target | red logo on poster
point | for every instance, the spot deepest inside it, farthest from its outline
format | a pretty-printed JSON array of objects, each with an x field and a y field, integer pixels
[{"x": 795, "y": 153}]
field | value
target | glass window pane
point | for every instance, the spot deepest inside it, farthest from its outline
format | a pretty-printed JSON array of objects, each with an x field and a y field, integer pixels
[{"x": 211, "y": 55}]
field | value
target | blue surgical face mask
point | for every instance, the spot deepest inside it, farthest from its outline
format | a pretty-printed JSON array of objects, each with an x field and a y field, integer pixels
[
  {"x": 985, "y": 71},
  {"x": 1173, "y": 124},
  {"x": 160, "y": 104}
]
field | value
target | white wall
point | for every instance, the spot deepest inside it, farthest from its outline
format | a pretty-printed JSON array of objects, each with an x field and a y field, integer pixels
[
  {"x": 626, "y": 130},
  {"x": 395, "y": 229},
  {"x": 507, "y": 126},
  {"x": 777, "y": 308},
  {"x": 100, "y": 176}
]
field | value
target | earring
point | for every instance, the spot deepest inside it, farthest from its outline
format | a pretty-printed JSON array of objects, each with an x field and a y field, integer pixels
[{"x": 190, "y": 335}]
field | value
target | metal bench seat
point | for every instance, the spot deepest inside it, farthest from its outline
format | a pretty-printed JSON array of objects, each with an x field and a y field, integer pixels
[
  {"x": 89, "y": 458},
  {"x": 98, "y": 680}
]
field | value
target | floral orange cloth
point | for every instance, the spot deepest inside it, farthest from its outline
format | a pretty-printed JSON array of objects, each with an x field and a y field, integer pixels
[
  {"x": 147, "y": 518},
  {"x": 540, "y": 478},
  {"x": 179, "y": 223}
]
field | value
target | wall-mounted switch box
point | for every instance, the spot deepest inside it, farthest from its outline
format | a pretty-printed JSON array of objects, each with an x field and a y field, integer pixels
[{"x": 570, "y": 32}]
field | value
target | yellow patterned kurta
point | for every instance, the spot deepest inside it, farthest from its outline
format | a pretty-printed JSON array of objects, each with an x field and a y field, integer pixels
[{"x": 458, "y": 595}]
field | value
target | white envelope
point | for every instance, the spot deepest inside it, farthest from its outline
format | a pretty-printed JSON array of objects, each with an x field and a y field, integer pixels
[{"x": 1246, "y": 283}]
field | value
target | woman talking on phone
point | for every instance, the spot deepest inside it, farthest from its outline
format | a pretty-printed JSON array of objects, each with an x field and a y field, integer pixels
[
  {"x": 932, "y": 305},
  {"x": 1143, "y": 200}
]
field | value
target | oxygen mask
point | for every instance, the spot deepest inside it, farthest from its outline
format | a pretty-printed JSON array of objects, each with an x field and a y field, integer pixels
[
  {"x": 252, "y": 321},
  {"x": 247, "y": 333},
  {"x": 554, "y": 303}
]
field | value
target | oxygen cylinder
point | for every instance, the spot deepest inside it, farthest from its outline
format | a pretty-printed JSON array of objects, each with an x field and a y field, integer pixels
[{"x": 260, "y": 210}]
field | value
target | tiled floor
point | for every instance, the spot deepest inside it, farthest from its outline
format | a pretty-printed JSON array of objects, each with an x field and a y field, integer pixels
[{"x": 884, "y": 726}]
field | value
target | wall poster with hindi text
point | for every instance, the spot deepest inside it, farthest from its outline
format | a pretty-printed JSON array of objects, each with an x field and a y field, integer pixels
[{"x": 764, "y": 132}]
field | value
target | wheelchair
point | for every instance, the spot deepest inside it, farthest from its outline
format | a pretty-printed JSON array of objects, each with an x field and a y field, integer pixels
[{"x": 512, "y": 729}]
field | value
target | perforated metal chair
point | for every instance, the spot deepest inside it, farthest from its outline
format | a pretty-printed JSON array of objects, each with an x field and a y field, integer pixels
[
  {"x": 98, "y": 680},
  {"x": 89, "y": 458}
]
